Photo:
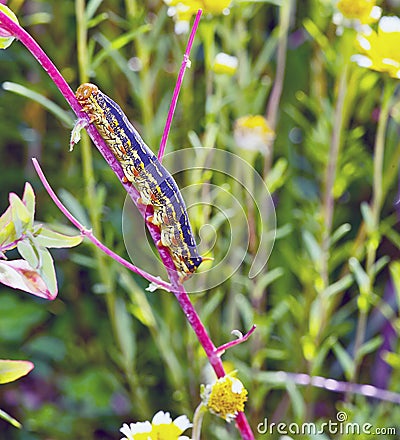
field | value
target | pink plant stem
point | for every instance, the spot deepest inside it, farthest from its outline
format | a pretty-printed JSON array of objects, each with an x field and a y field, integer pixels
[
  {"x": 221, "y": 349},
  {"x": 178, "y": 289},
  {"x": 174, "y": 100}
]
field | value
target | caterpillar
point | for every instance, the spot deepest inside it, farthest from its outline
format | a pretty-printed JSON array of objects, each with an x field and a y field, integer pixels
[{"x": 154, "y": 183}]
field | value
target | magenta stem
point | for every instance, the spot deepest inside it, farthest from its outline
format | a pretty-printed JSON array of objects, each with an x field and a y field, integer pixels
[
  {"x": 221, "y": 349},
  {"x": 178, "y": 85},
  {"x": 177, "y": 288}
]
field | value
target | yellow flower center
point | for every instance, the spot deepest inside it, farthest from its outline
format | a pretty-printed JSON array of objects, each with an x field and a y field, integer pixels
[
  {"x": 227, "y": 397},
  {"x": 356, "y": 9},
  {"x": 255, "y": 122}
]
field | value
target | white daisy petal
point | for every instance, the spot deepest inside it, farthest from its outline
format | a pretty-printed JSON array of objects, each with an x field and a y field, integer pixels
[
  {"x": 182, "y": 422},
  {"x": 376, "y": 12},
  {"x": 161, "y": 418},
  {"x": 362, "y": 60},
  {"x": 237, "y": 386},
  {"x": 389, "y": 24}
]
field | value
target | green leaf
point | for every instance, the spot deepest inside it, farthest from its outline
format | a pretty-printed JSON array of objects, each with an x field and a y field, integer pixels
[
  {"x": 344, "y": 359},
  {"x": 29, "y": 200},
  {"x": 340, "y": 232},
  {"x": 28, "y": 253},
  {"x": 9, "y": 419},
  {"x": 91, "y": 8},
  {"x": 369, "y": 347},
  {"x": 8, "y": 234},
  {"x": 393, "y": 359},
  {"x": 360, "y": 274},
  {"x": 312, "y": 246},
  {"x": 51, "y": 106},
  {"x": 395, "y": 272},
  {"x": 123, "y": 321},
  {"x": 20, "y": 214},
  {"x": 50, "y": 239},
  {"x": 339, "y": 286},
  {"x": 118, "y": 43},
  {"x": 297, "y": 400},
  {"x": 368, "y": 216},
  {"x": 47, "y": 271},
  {"x": 74, "y": 207},
  {"x": 13, "y": 370},
  {"x": 277, "y": 176}
]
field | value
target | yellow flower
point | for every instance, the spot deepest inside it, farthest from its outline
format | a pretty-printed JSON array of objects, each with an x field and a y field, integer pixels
[
  {"x": 225, "y": 398},
  {"x": 183, "y": 10},
  {"x": 253, "y": 133},
  {"x": 362, "y": 10},
  {"x": 161, "y": 428},
  {"x": 381, "y": 49},
  {"x": 225, "y": 63},
  {"x": 5, "y": 37},
  {"x": 356, "y": 14}
]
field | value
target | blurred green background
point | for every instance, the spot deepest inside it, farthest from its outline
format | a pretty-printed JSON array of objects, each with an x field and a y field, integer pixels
[{"x": 106, "y": 351}]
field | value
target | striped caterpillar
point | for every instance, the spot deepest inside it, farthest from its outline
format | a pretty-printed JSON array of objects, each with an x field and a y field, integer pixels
[{"x": 155, "y": 184}]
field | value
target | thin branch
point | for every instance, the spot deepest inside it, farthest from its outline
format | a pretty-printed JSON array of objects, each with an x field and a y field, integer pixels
[
  {"x": 335, "y": 385},
  {"x": 222, "y": 348},
  {"x": 185, "y": 64}
]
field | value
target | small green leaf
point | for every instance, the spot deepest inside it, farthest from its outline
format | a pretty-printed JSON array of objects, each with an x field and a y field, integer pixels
[
  {"x": 277, "y": 176},
  {"x": 340, "y": 232},
  {"x": 74, "y": 206},
  {"x": 344, "y": 359},
  {"x": 47, "y": 271},
  {"x": 91, "y": 8},
  {"x": 393, "y": 359},
  {"x": 50, "y": 239},
  {"x": 13, "y": 370},
  {"x": 9, "y": 419},
  {"x": 20, "y": 214},
  {"x": 8, "y": 234},
  {"x": 340, "y": 286},
  {"x": 5, "y": 218},
  {"x": 368, "y": 216},
  {"x": 312, "y": 246},
  {"x": 28, "y": 252},
  {"x": 360, "y": 274},
  {"x": 369, "y": 347},
  {"x": 29, "y": 200},
  {"x": 123, "y": 320},
  {"x": 51, "y": 106},
  {"x": 395, "y": 272}
]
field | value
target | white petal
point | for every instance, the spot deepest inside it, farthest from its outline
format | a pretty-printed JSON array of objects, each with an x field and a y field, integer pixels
[
  {"x": 376, "y": 12},
  {"x": 182, "y": 422},
  {"x": 362, "y": 60},
  {"x": 364, "y": 43},
  {"x": 126, "y": 431},
  {"x": 390, "y": 62},
  {"x": 237, "y": 386},
  {"x": 182, "y": 27},
  {"x": 161, "y": 418},
  {"x": 140, "y": 427},
  {"x": 226, "y": 60},
  {"x": 389, "y": 24}
]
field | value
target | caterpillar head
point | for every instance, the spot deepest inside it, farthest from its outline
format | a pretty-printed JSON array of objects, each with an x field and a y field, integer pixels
[{"x": 85, "y": 91}]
